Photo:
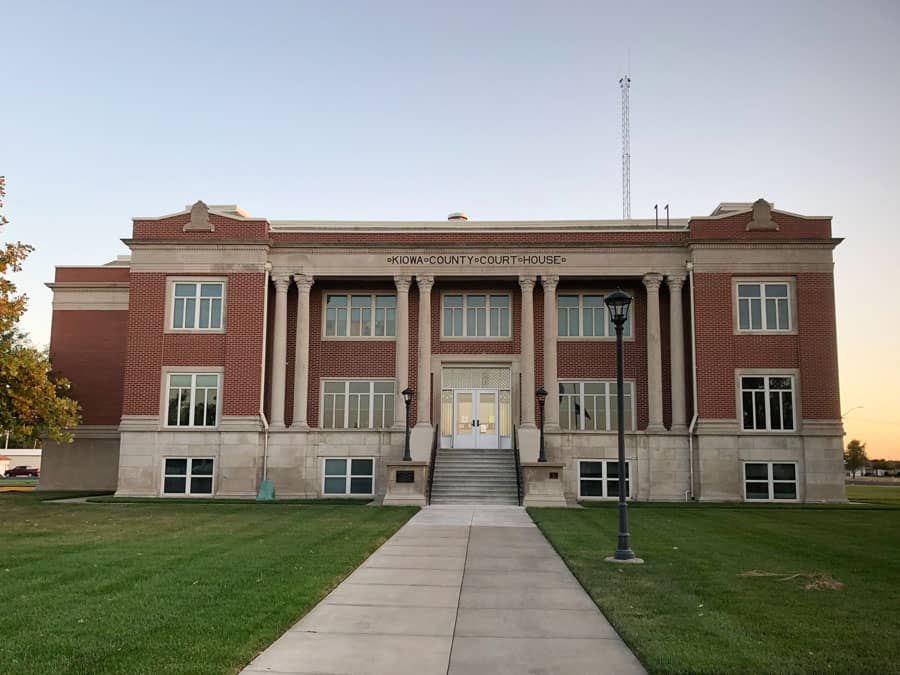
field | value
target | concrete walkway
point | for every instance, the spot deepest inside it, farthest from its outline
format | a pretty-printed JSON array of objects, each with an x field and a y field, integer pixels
[{"x": 458, "y": 589}]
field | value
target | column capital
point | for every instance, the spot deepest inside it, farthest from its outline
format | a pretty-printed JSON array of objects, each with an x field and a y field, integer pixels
[
  {"x": 424, "y": 282},
  {"x": 304, "y": 281},
  {"x": 652, "y": 282},
  {"x": 402, "y": 282},
  {"x": 675, "y": 282},
  {"x": 526, "y": 282},
  {"x": 281, "y": 280},
  {"x": 549, "y": 282}
]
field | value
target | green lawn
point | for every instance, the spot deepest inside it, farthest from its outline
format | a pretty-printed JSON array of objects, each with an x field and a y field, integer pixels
[
  {"x": 693, "y": 607},
  {"x": 17, "y": 482},
  {"x": 875, "y": 494},
  {"x": 167, "y": 588}
]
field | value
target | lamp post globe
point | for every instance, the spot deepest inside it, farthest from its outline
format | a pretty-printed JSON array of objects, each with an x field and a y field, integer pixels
[
  {"x": 407, "y": 399},
  {"x": 617, "y": 304},
  {"x": 541, "y": 395}
]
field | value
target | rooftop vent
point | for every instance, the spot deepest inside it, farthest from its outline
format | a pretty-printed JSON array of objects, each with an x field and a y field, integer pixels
[{"x": 457, "y": 215}]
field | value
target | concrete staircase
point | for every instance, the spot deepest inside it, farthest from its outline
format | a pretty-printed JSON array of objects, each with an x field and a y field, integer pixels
[{"x": 474, "y": 477}]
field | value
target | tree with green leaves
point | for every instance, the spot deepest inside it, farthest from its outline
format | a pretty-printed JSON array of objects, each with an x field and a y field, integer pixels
[
  {"x": 33, "y": 401},
  {"x": 855, "y": 457}
]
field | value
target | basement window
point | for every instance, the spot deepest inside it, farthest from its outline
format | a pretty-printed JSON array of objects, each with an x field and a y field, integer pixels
[
  {"x": 349, "y": 476},
  {"x": 188, "y": 476},
  {"x": 770, "y": 481},
  {"x": 599, "y": 479}
]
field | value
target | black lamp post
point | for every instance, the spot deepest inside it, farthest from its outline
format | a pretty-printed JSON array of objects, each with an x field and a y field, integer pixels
[
  {"x": 541, "y": 397},
  {"x": 407, "y": 399},
  {"x": 617, "y": 304}
]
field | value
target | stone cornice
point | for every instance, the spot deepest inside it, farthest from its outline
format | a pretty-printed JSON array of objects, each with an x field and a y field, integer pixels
[
  {"x": 769, "y": 244},
  {"x": 199, "y": 244}
]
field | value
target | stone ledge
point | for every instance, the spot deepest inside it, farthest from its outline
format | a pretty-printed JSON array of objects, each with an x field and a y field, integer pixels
[
  {"x": 539, "y": 487},
  {"x": 405, "y": 494}
]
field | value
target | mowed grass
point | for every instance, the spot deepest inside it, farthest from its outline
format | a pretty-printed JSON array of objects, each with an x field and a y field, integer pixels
[
  {"x": 875, "y": 494},
  {"x": 693, "y": 607},
  {"x": 167, "y": 588},
  {"x": 17, "y": 482}
]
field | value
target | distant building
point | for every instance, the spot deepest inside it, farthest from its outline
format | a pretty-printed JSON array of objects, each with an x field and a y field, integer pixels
[{"x": 220, "y": 323}]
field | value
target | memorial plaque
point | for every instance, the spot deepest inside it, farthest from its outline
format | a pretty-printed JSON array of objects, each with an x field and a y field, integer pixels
[{"x": 406, "y": 476}]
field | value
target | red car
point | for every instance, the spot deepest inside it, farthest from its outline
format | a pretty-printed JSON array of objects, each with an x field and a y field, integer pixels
[{"x": 23, "y": 471}]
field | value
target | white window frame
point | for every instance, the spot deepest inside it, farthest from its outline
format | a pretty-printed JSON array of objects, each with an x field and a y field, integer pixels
[
  {"x": 166, "y": 385},
  {"x": 348, "y": 476},
  {"x": 609, "y": 332},
  {"x": 348, "y": 294},
  {"x": 487, "y": 316},
  {"x": 607, "y": 398},
  {"x": 372, "y": 394},
  {"x": 770, "y": 479},
  {"x": 762, "y": 282},
  {"x": 766, "y": 375},
  {"x": 187, "y": 477},
  {"x": 604, "y": 480},
  {"x": 170, "y": 304}
]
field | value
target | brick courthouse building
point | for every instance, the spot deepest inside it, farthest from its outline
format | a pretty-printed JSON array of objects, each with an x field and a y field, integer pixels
[{"x": 227, "y": 348}]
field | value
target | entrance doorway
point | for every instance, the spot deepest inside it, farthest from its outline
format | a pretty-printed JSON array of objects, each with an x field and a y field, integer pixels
[
  {"x": 475, "y": 418},
  {"x": 476, "y": 406}
]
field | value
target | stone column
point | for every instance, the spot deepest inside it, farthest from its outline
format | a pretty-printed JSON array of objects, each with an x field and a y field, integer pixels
[
  {"x": 676, "y": 349},
  {"x": 279, "y": 349},
  {"x": 654, "y": 354},
  {"x": 551, "y": 407},
  {"x": 526, "y": 283},
  {"x": 401, "y": 361},
  {"x": 301, "y": 357},
  {"x": 423, "y": 394}
]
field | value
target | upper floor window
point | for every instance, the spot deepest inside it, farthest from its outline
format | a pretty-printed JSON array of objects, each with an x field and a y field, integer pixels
[
  {"x": 764, "y": 306},
  {"x": 193, "y": 400},
  {"x": 360, "y": 315},
  {"x": 592, "y": 406},
  {"x": 767, "y": 402},
  {"x": 584, "y": 315},
  {"x": 197, "y": 305},
  {"x": 477, "y": 315},
  {"x": 357, "y": 404}
]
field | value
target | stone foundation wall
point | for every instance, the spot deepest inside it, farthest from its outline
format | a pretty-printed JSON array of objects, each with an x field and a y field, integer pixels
[
  {"x": 90, "y": 462},
  {"x": 295, "y": 458}
]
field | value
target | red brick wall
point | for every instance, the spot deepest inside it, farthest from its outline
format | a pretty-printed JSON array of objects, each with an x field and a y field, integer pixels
[
  {"x": 471, "y": 346},
  {"x": 91, "y": 274},
  {"x": 818, "y": 346},
  {"x": 597, "y": 359},
  {"x": 225, "y": 228},
  {"x": 88, "y": 347},
  {"x": 720, "y": 352},
  {"x": 735, "y": 227},
  {"x": 238, "y": 350},
  {"x": 338, "y": 358},
  {"x": 468, "y": 239}
]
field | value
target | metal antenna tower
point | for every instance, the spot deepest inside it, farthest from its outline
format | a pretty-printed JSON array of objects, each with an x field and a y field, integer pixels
[{"x": 625, "y": 85}]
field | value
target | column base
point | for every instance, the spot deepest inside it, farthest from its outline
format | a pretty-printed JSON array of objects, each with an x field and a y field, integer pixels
[
  {"x": 421, "y": 437},
  {"x": 529, "y": 440},
  {"x": 277, "y": 426},
  {"x": 300, "y": 426},
  {"x": 679, "y": 429},
  {"x": 655, "y": 429}
]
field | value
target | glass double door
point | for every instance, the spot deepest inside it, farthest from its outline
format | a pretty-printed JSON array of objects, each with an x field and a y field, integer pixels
[{"x": 475, "y": 415}]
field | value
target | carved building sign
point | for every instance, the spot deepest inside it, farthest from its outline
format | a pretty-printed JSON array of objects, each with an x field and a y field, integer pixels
[{"x": 463, "y": 260}]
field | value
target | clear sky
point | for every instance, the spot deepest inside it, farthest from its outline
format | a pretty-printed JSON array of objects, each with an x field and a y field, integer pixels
[{"x": 410, "y": 110}]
